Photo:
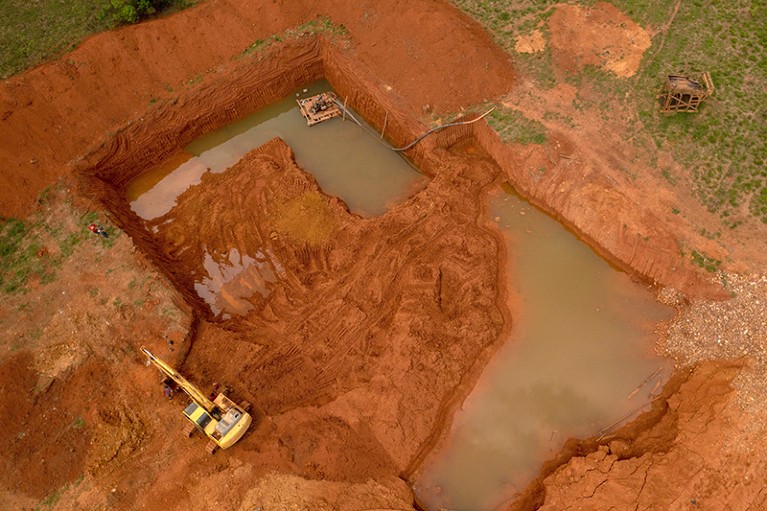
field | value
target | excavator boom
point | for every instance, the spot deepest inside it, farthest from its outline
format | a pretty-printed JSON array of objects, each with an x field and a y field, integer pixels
[
  {"x": 222, "y": 420},
  {"x": 193, "y": 392}
]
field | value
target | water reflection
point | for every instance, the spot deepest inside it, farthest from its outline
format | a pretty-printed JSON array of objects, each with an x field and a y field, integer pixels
[
  {"x": 344, "y": 158},
  {"x": 232, "y": 279},
  {"x": 161, "y": 196}
]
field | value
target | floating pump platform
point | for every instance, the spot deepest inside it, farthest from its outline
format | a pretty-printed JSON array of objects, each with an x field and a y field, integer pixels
[{"x": 319, "y": 108}]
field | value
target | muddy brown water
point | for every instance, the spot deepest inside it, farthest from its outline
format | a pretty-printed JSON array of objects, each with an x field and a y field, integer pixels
[
  {"x": 347, "y": 161},
  {"x": 582, "y": 336},
  {"x": 581, "y": 343}
]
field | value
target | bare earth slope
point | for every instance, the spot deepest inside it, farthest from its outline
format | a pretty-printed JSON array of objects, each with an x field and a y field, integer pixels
[{"x": 51, "y": 114}]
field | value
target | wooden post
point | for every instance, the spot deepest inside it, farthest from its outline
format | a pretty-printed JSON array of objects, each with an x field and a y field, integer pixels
[{"x": 386, "y": 119}]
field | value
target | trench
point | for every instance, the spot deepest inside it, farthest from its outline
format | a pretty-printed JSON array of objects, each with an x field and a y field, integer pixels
[{"x": 345, "y": 159}]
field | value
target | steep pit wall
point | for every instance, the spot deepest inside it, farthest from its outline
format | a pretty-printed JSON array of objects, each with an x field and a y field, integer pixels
[
  {"x": 178, "y": 123},
  {"x": 700, "y": 454},
  {"x": 428, "y": 258},
  {"x": 51, "y": 114},
  {"x": 582, "y": 198},
  {"x": 105, "y": 172},
  {"x": 258, "y": 81}
]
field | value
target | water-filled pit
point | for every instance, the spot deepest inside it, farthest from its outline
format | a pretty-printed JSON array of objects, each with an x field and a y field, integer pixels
[
  {"x": 581, "y": 344},
  {"x": 582, "y": 333},
  {"x": 347, "y": 160}
]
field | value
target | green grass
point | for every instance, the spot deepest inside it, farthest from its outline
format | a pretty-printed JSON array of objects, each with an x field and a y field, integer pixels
[
  {"x": 507, "y": 20},
  {"x": 316, "y": 26},
  {"x": 51, "y": 499},
  {"x": 17, "y": 257},
  {"x": 27, "y": 248},
  {"x": 513, "y": 127},
  {"x": 708, "y": 263},
  {"x": 23, "y": 256},
  {"x": 723, "y": 147},
  {"x": 322, "y": 24},
  {"x": 34, "y": 31}
]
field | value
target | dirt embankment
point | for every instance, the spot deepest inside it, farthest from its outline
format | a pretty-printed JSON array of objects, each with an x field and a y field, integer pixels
[
  {"x": 52, "y": 114},
  {"x": 346, "y": 391},
  {"x": 371, "y": 330},
  {"x": 700, "y": 455}
]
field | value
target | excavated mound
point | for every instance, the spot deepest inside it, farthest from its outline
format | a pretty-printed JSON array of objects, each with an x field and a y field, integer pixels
[{"x": 259, "y": 228}]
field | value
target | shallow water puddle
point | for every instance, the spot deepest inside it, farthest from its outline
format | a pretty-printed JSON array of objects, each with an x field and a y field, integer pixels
[
  {"x": 233, "y": 279},
  {"x": 581, "y": 343},
  {"x": 347, "y": 161},
  {"x": 154, "y": 193}
]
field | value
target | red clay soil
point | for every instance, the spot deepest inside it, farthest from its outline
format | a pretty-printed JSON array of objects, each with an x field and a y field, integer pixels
[
  {"x": 673, "y": 469},
  {"x": 52, "y": 114},
  {"x": 372, "y": 330}
]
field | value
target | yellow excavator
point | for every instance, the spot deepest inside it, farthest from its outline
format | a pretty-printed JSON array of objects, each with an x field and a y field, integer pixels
[{"x": 222, "y": 420}]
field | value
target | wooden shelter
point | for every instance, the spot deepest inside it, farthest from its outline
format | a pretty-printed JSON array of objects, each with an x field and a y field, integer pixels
[{"x": 682, "y": 94}]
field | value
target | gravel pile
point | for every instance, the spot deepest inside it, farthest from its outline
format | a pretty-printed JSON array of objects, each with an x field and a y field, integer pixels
[{"x": 731, "y": 329}]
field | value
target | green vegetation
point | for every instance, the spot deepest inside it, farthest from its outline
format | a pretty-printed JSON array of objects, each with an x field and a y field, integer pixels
[
  {"x": 18, "y": 257},
  {"x": 561, "y": 119},
  {"x": 708, "y": 263},
  {"x": 513, "y": 127},
  {"x": 133, "y": 11},
  {"x": 724, "y": 146},
  {"x": 36, "y": 247},
  {"x": 322, "y": 24},
  {"x": 51, "y": 499},
  {"x": 34, "y": 31},
  {"x": 507, "y": 20},
  {"x": 315, "y": 26}
]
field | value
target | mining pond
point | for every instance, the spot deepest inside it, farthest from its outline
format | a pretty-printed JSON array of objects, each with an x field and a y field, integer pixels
[
  {"x": 581, "y": 344},
  {"x": 348, "y": 161}
]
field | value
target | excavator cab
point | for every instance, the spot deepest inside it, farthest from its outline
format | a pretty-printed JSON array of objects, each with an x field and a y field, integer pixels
[{"x": 224, "y": 424}]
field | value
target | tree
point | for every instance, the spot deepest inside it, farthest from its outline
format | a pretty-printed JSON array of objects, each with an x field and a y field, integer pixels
[{"x": 133, "y": 11}]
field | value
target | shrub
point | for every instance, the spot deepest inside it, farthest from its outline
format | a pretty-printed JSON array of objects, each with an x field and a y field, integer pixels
[{"x": 132, "y": 11}]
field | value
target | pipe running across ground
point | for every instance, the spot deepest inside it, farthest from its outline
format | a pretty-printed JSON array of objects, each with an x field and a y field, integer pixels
[{"x": 414, "y": 142}]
